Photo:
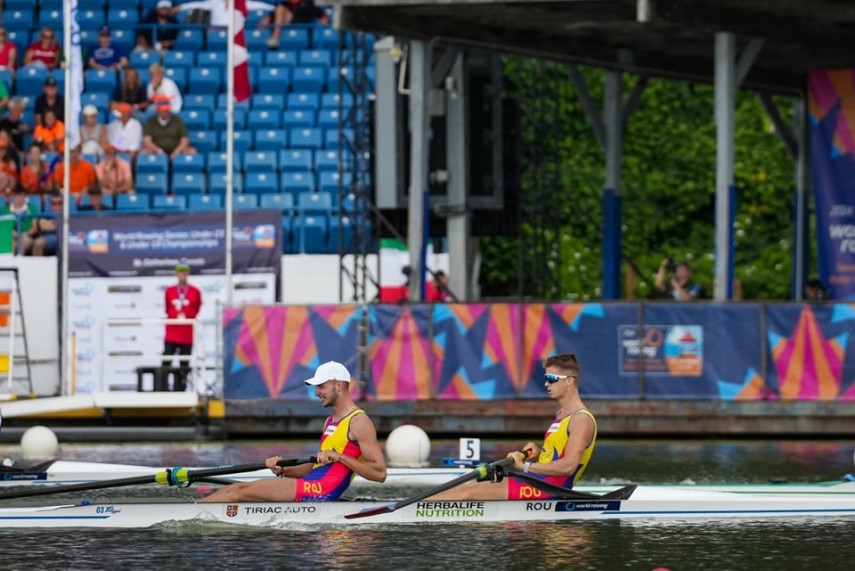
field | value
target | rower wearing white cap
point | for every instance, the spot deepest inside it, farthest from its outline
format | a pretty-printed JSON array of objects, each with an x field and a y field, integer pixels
[{"x": 348, "y": 446}]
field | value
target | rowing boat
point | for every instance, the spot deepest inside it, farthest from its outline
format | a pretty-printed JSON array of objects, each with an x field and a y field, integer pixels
[
  {"x": 645, "y": 503},
  {"x": 63, "y": 472}
]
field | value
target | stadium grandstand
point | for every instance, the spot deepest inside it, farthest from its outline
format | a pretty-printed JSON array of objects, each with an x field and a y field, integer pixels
[{"x": 287, "y": 134}]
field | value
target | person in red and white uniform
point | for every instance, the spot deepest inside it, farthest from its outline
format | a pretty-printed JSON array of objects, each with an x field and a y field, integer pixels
[{"x": 183, "y": 301}]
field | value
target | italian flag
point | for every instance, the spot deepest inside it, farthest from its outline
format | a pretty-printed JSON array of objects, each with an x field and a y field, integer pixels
[{"x": 393, "y": 257}]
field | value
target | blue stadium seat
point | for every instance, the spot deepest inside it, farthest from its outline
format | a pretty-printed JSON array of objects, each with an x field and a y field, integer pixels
[
  {"x": 280, "y": 59},
  {"x": 271, "y": 140},
  {"x": 254, "y": 16},
  {"x": 89, "y": 18},
  {"x": 303, "y": 101},
  {"x": 261, "y": 182},
  {"x": 153, "y": 163},
  {"x": 334, "y": 75},
  {"x": 100, "y": 80},
  {"x": 256, "y": 40},
  {"x": 132, "y": 201},
  {"x": 328, "y": 181},
  {"x": 260, "y": 161},
  {"x": 188, "y": 163},
  {"x": 239, "y": 105},
  {"x": 245, "y": 201},
  {"x": 179, "y": 76},
  {"x": 20, "y": 38},
  {"x": 122, "y": 17},
  {"x": 196, "y": 119},
  {"x": 218, "y": 122},
  {"x": 204, "y": 141},
  {"x": 175, "y": 58},
  {"x": 276, "y": 201},
  {"x": 187, "y": 183},
  {"x": 314, "y": 201},
  {"x": 143, "y": 59},
  {"x": 204, "y": 101},
  {"x": 20, "y": 5},
  {"x": 328, "y": 118},
  {"x": 99, "y": 99},
  {"x": 331, "y": 137},
  {"x": 351, "y": 203},
  {"x": 30, "y": 81},
  {"x": 331, "y": 100},
  {"x": 263, "y": 119},
  {"x": 19, "y": 19},
  {"x": 296, "y": 183},
  {"x": 305, "y": 139},
  {"x": 242, "y": 141},
  {"x": 325, "y": 38},
  {"x": 190, "y": 40},
  {"x": 294, "y": 37},
  {"x": 216, "y": 56},
  {"x": 309, "y": 79},
  {"x": 89, "y": 4},
  {"x": 150, "y": 183},
  {"x": 273, "y": 80},
  {"x": 216, "y": 43},
  {"x": 125, "y": 37},
  {"x": 268, "y": 102},
  {"x": 295, "y": 161},
  {"x": 316, "y": 58},
  {"x": 218, "y": 183},
  {"x": 169, "y": 202},
  {"x": 326, "y": 160},
  {"x": 311, "y": 234},
  {"x": 205, "y": 202},
  {"x": 345, "y": 227},
  {"x": 299, "y": 119},
  {"x": 205, "y": 80},
  {"x": 217, "y": 162}
]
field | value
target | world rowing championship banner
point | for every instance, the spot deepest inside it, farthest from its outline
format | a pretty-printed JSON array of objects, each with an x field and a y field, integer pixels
[
  {"x": 832, "y": 114},
  {"x": 119, "y": 267}
]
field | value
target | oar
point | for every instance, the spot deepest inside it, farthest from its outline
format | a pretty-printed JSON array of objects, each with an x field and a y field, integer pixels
[
  {"x": 478, "y": 473},
  {"x": 169, "y": 477}
]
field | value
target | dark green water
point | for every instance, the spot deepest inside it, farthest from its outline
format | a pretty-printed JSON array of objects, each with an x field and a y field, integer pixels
[{"x": 798, "y": 544}]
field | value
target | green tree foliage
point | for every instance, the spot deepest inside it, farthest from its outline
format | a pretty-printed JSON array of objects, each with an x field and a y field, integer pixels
[{"x": 668, "y": 190}]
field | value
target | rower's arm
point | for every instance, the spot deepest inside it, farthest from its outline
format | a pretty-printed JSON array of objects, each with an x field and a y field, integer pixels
[
  {"x": 291, "y": 471},
  {"x": 372, "y": 466},
  {"x": 581, "y": 430}
]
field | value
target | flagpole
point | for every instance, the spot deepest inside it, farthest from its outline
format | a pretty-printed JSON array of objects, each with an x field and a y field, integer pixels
[
  {"x": 69, "y": 8},
  {"x": 230, "y": 144}
]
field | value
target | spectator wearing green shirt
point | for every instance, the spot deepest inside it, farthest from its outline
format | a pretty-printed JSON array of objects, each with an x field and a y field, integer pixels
[
  {"x": 25, "y": 213},
  {"x": 166, "y": 133}
]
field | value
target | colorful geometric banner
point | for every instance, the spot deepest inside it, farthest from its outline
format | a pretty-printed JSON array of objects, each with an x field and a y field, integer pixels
[{"x": 402, "y": 367}]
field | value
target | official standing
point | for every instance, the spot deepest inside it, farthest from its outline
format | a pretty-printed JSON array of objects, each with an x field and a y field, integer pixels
[{"x": 183, "y": 301}]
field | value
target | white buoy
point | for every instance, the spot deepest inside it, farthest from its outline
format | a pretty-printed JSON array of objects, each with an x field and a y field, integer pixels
[
  {"x": 39, "y": 442},
  {"x": 408, "y": 446}
]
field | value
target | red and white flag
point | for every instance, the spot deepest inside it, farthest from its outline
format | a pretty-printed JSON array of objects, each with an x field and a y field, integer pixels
[{"x": 241, "y": 56}]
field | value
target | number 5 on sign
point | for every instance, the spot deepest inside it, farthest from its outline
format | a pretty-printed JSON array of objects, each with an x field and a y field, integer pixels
[{"x": 470, "y": 449}]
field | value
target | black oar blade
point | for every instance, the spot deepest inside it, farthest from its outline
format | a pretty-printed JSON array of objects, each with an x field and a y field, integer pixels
[{"x": 368, "y": 512}]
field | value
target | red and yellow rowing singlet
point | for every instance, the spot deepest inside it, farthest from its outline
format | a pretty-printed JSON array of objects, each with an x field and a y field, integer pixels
[
  {"x": 554, "y": 443},
  {"x": 327, "y": 482}
]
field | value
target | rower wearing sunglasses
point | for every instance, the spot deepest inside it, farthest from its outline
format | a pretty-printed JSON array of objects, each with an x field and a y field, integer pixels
[{"x": 567, "y": 445}]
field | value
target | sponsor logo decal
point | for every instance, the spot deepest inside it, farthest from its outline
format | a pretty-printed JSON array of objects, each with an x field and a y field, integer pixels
[
  {"x": 231, "y": 510},
  {"x": 591, "y": 506},
  {"x": 272, "y": 510},
  {"x": 450, "y": 509}
]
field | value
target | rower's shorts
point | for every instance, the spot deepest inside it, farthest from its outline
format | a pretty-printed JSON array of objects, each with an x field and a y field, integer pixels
[
  {"x": 519, "y": 490},
  {"x": 321, "y": 490}
]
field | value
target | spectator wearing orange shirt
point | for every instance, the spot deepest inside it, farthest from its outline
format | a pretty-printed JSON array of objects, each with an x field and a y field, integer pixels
[
  {"x": 34, "y": 175},
  {"x": 8, "y": 168},
  {"x": 51, "y": 133},
  {"x": 114, "y": 173},
  {"x": 82, "y": 176}
]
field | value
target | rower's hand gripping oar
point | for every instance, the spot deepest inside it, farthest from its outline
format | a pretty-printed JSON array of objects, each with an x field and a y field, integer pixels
[
  {"x": 483, "y": 472},
  {"x": 169, "y": 477}
]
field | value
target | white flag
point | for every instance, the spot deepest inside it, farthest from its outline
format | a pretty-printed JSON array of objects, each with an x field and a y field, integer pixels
[{"x": 74, "y": 88}]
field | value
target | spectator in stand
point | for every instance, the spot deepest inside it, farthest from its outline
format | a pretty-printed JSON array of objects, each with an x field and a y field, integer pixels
[
  {"x": 158, "y": 29},
  {"x": 160, "y": 87},
  {"x": 93, "y": 135},
  {"x": 13, "y": 122},
  {"x": 217, "y": 11},
  {"x": 43, "y": 234},
  {"x": 82, "y": 176},
  {"x": 438, "y": 290},
  {"x": 36, "y": 174},
  {"x": 166, "y": 133},
  {"x": 125, "y": 133},
  {"x": 45, "y": 52},
  {"x": 8, "y": 52},
  {"x": 4, "y": 96},
  {"x": 51, "y": 133},
  {"x": 95, "y": 202},
  {"x": 9, "y": 167},
  {"x": 106, "y": 54},
  {"x": 19, "y": 206},
  {"x": 131, "y": 91},
  {"x": 50, "y": 99},
  {"x": 11, "y": 149},
  {"x": 292, "y": 12},
  {"x": 114, "y": 173}
]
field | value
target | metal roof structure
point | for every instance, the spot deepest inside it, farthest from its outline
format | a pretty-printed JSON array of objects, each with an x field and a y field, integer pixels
[{"x": 671, "y": 38}]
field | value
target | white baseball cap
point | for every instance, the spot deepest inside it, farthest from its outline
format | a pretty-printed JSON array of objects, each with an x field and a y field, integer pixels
[
  {"x": 164, "y": 4},
  {"x": 90, "y": 110},
  {"x": 330, "y": 371}
]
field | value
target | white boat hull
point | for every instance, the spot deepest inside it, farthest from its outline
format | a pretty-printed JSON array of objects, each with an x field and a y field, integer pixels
[{"x": 647, "y": 503}]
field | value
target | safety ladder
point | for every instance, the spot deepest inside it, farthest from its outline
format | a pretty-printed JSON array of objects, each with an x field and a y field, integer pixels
[{"x": 14, "y": 355}]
